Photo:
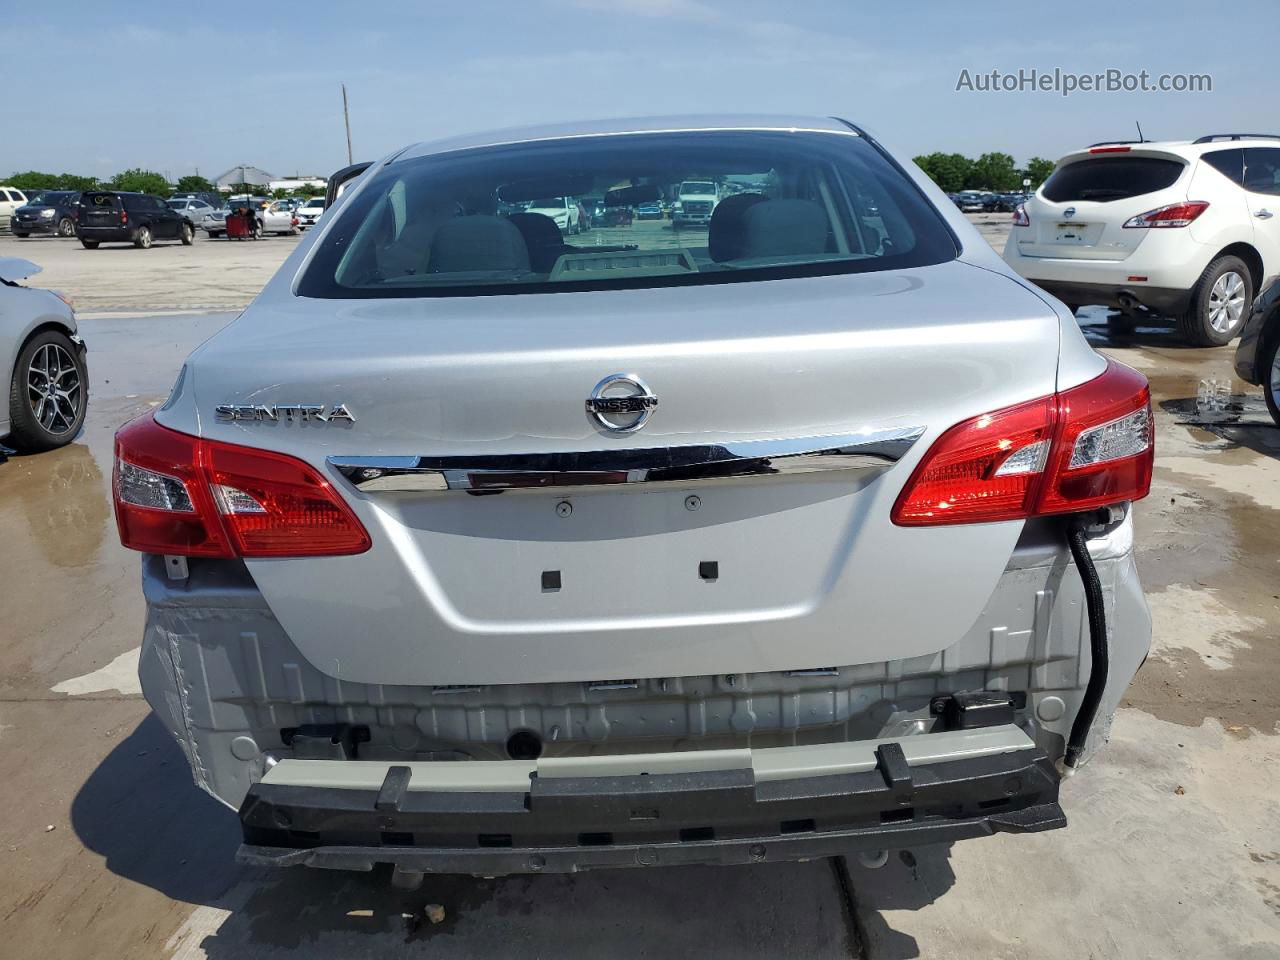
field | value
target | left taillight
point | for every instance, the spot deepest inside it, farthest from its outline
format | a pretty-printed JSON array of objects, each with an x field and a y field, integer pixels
[
  {"x": 181, "y": 495},
  {"x": 1086, "y": 447}
]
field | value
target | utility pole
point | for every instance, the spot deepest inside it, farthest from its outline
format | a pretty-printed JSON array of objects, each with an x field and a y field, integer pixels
[{"x": 346, "y": 118}]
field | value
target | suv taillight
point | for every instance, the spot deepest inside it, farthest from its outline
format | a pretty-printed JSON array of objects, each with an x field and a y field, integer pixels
[
  {"x": 1083, "y": 448},
  {"x": 124, "y": 215},
  {"x": 1174, "y": 215},
  {"x": 180, "y": 495},
  {"x": 1020, "y": 218}
]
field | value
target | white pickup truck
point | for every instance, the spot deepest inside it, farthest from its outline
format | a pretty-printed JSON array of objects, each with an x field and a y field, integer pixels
[{"x": 695, "y": 202}]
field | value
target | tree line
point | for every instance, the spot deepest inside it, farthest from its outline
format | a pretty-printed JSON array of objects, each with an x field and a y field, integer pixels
[
  {"x": 136, "y": 180},
  {"x": 954, "y": 172}
]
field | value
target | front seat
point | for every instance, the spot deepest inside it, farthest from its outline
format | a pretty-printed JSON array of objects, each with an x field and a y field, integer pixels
[
  {"x": 726, "y": 233},
  {"x": 784, "y": 228},
  {"x": 478, "y": 243}
]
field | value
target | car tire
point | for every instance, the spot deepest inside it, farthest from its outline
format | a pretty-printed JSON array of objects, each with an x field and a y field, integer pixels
[
  {"x": 257, "y": 230},
  {"x": 51, "y": 351},
  {"x": 21, "y": 236},
  {"x": 186, "y": 235},
  {"x": 142, "y": 238},
  {"x": 1269, "y": 373},
  {"x": 1220, "y": 304},
  {"x": 90, "y": 244},
  {"x": 66, "y": 227}
]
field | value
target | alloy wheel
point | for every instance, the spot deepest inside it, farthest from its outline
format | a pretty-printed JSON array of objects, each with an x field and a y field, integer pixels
[
  {"x": 54, "y": 390},
  {"x": 1226, "y": 302}
]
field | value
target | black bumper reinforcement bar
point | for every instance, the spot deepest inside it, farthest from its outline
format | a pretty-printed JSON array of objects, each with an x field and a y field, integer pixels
[{"x": 566, "y": 824}]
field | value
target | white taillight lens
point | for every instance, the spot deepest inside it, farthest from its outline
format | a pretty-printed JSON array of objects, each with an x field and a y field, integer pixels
[
  {"x": 1027, "y": 460},
  {"x": 233, "y": 501},
  {"x": 1020, "y": 218},
  {"x": 1174, "y": 215},
  {"x": 155, "y": 491},
  {"x": 1124, "y": 437}
]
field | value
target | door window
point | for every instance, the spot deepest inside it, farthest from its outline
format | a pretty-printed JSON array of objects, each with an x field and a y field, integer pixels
[
  {"x": 1262, "y": 170},
  {"x": 1229, "y": 163}
]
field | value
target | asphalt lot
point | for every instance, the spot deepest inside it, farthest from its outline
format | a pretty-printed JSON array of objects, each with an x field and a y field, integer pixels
[{"x": 108, "y": 849}]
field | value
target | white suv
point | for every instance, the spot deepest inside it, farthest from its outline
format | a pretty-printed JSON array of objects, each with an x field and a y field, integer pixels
[{"x": 1186, "y": 229}]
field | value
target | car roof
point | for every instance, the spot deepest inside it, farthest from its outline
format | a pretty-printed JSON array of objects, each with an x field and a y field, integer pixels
[{"x": 604, "y": 128}]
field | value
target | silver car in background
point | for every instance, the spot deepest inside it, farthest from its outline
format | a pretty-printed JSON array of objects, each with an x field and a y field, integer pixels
[
  {"x": 469, "y": 549},
  {"x": 42, "y": 364}
]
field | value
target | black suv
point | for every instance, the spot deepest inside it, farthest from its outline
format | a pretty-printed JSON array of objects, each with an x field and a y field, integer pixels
[
  {"x": 49, "y": 211},
  {"x": 112, "y": 216}
]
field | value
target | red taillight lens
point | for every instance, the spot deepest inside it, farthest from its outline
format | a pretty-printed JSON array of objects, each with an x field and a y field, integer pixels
[
  {"x": 1084, "y": 448},
  {"x": 124, "y": 216},
  {"x": 1105, "y": 448},
  {"x": 1174, "y": 215},
  {"x": 161, "y": 505},
  {"x": 180, "y": 495},
  {"x": 1020, "y": 218},
  {"x": 984, "y": 469}
]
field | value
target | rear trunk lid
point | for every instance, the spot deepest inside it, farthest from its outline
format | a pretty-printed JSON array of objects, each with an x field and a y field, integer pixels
[
  {"x": 808, "y": 572},
  {"x": 1079, "y": 213}
]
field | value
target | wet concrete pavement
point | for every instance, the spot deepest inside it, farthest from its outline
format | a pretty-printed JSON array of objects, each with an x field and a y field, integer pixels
[{"x": 1173, "y": 849}]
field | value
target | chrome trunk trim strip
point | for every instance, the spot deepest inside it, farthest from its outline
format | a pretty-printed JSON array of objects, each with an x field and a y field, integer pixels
[{"x": 872, "y": 450}]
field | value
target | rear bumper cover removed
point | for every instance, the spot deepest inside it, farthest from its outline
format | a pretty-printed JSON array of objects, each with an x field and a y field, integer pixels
[{"x": 491, "y": 818}]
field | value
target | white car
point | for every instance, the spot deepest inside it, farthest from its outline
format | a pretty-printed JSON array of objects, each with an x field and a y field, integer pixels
[
  {"x": 310, "y": 212},
  {"x": 279, "y": 217},
  {"x": 563, "y": 210},
  {"x": 1185, "y": 229},
  {"x": 11, "y": 198},
  {"x": 42, "y": 363}
]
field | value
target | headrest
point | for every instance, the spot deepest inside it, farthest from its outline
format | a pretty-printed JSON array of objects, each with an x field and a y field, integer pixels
[
  {"x": 784, "y": 228},
  {"x": 725, "y": 232},
  {"x": 477, "y": 243}
]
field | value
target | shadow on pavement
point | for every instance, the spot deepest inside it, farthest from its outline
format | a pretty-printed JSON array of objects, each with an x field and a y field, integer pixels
[
  {"x": 141, "y": 811},
  {"x": 911, "y": 880}
]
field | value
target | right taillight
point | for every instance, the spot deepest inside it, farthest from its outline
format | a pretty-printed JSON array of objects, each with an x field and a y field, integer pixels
[
  {"x": 1174, "y": 215},
  {"x": 1086, "y": 447},
  {"x": 1105, "y": 447},
  {"x": 184, "y": 496}
]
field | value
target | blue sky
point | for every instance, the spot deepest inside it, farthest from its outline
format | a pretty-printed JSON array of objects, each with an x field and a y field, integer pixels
[{"x": 180, "y": 86}]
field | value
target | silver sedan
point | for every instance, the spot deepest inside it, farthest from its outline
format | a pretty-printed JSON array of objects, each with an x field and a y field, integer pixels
[{"x": 47, "y": 383}]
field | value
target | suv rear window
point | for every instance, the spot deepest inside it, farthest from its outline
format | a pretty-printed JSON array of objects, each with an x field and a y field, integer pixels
[
  {"x": 476, "y": 222},
  {"x": 109, "y": 201},
  {"x": 1110, "y": 178}
]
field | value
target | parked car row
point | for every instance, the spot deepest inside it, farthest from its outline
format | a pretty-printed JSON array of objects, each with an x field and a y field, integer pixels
[
  {"x": 984, "y": 201},
  {"x": 58, "y": 213}
]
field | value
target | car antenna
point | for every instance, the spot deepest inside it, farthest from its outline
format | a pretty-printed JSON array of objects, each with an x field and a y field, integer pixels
[{"x": 1141, "y": 139}]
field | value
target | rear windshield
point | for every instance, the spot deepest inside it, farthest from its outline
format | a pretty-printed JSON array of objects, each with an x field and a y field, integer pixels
[
  {"x": 106, "y": 200},
  {"x": 468, "y": 223},
  {"x": 1110, "y": 178}
]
